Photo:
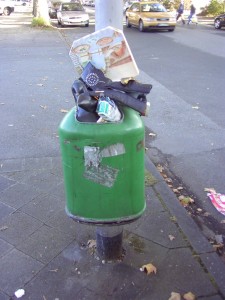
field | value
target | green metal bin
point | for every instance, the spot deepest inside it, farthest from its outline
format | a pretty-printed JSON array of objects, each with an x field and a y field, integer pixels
[{"x": 103, "y": 165}]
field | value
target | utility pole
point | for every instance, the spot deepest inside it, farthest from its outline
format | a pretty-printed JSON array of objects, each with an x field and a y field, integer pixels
[
  {"x": 108, "y": 13},
  {"x": 109, "y": 238}
]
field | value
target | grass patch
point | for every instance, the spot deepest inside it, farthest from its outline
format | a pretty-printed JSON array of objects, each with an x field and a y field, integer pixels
[
  {"x": 39, "y": 22},
  {"x": 149, "y": 179}
]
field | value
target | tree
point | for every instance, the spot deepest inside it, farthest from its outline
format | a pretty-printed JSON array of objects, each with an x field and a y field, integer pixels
[
  {"x": 40, "y": 10},
  {"x": 215, "y": 7}
]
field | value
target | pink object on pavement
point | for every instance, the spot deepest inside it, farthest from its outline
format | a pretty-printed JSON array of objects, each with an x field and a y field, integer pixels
[{"x": 218, "y": 200}]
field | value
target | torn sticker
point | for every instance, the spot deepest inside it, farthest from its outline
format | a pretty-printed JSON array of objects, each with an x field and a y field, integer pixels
[
  {"x": 91, "y": 156},
  {"x": 103, "y": 175},
  {"x": 113, "y": 150},
  {"x": 97, "y": 172}
]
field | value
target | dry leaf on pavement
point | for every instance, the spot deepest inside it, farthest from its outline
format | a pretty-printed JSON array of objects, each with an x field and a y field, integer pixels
[
  {"x": 91, "y": 243},
  {"x": 148, "y": 269},
  {"x": 210, "y": 190},
  {"x": 171, "y": 237},
  {"x": 160, "y": 168},
  {"x": 43, "y": 106},
  {"x": 175, "y": 296},
  {"x": 189, "y": 296},
  {"x": 64, "y": 110},
  {"x": 3, "y": 228},
  {"x": 185, "y": 201},
  {"x": 152, "y": 134}
]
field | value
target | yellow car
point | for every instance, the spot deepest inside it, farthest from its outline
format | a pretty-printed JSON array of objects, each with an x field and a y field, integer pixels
[{"x": 150, "y": 15}]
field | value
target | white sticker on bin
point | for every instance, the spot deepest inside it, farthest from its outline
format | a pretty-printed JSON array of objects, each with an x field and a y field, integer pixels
[{"x": 94, "y": 170}]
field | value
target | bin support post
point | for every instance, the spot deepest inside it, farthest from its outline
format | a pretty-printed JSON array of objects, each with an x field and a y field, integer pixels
[{"x": 109, "y": 242}]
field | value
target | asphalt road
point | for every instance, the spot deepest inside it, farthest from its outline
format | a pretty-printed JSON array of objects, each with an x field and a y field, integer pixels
[{"x": 186, "y": 68}]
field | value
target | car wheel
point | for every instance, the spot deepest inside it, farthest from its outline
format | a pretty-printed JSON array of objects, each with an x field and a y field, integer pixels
[
  {"x": 172, "y": 29},
  {"x": 127, "y": 23},
  {"x": 217, "y": 24},
  {"x": 86, "y": 25},
  {"x": 141, "y": 26},
  {"x": 6, "y": 11}
]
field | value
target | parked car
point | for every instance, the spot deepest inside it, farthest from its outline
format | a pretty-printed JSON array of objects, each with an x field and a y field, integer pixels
[
  {"x": 150, "y": 15},
  {"x": 219, "y": 21},
  {"x": 72, "y": 13},
  {"x": 6, "y": 7},
  {"x": 52, "y": 13}
]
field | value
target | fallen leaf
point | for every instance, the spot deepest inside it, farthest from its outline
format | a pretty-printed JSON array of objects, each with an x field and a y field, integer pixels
[
  {"x": 159, "y": 168},
  {"x": 185, "y": 201},
  {"x": 55, "y": 270},
  {"x": 64, "y": 110},
  {"x": 40, "y": 84},
  {"x": 206, "y": 214},
  {"x": 195, "y": 107},
  {"x": 176, "y": 191},
  {"x": 199, "y": 209},
  {"x": 10, "y": 125},
  {"x": 171, "y": 237},
  {"x": 168, "y": 180},
  {"x": 3, "y": 228},
  {"x": 210, "y": 190},
  {"x": 175, "y": 296},
  {"x": 43, "y": 106},
  {"x": 91, "y": 243},
  {"x": 218, "y": 246},
  {"x": 180, "y": 188},
  {"x": 189, "y": 296},
  {"x": 148, "y": 269}
]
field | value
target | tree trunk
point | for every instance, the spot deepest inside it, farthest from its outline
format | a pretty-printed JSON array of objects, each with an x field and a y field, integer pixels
[{"x": 41, "y": 10}]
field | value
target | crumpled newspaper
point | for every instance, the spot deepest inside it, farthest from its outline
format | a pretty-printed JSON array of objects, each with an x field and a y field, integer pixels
[{"x": 218, "y": 200}]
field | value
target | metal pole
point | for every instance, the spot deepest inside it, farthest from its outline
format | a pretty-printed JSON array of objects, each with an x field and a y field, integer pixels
[
  {"x": 108, "y": 13},
  {"x": 109, "y": 242},
  {"x": 109, "y": 238}
]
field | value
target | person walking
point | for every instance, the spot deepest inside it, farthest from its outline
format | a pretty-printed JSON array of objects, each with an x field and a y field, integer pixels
[
  {"x": 192, "y": 13},
  {"x": 180, "y": 11}
]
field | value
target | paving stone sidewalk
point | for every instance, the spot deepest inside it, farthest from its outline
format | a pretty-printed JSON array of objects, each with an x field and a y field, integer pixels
[{"x": 46, "y": 253}]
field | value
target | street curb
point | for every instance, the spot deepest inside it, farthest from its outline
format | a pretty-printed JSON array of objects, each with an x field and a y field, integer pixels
[{"x": 203, "y": 249}]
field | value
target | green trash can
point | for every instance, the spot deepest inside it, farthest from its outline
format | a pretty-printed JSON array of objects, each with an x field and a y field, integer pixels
[{"x": 103, "y": 166}]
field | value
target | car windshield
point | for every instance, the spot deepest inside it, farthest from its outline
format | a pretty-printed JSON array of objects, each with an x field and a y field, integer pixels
[
  {"x": 72, "y": 7},
  {"x": 152, "y": 7}
]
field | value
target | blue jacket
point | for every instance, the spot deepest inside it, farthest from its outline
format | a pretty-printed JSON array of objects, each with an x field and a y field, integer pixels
[{"x": 180, "y": 9}]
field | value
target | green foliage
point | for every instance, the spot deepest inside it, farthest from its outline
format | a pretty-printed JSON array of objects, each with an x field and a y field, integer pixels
[
  {"x": 39, "y": 22},
  {"x": 215, "y": 7}
]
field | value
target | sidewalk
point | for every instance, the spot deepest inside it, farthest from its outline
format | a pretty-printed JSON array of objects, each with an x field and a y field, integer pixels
[{"x": 43, "y": 251}]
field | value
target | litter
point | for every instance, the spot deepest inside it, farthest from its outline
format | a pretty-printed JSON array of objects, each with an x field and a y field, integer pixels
[
  {"x": 218, "y": 200},
  {"x": 106, "y": 69},
  {"x": 19, "y": 293}
]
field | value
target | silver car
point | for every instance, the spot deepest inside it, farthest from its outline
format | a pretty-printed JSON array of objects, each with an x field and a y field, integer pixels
[{"x": 72, "y": 13}]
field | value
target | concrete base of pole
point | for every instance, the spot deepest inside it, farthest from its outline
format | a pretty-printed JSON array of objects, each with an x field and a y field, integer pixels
[{"x": 109, "y": 242}]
